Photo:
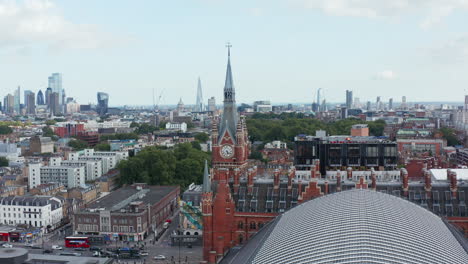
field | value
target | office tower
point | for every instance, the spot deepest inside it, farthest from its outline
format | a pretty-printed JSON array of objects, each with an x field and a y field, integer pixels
[
  {"x": 378, "y": 103},
  {"x": 17, "y": 101},
  {"x": 199, "y": 107},
  {"x": 26, "y": 93},
  {"x": 356, "y": 103},
  {"x": 40, "y": 98},
  {"x": 47, "y": 96},
  {"x": 319, "y": 98},
  {"x": 368, "y": 107},
  {"x": 103, "y": 103},
  {"x": 344, "y": 112},
  {"x": 314, "y": 107},
  {"x": 390, "y": 104},
  {"x": 403, "y": 103},
  {"x": 55, "y": 83},
  {"x": 212, "y": 104},
  {"x": 30, "y": 102},
  {"x": 349, "y": 99},
  {"x": 323, "y": 106},
  {"x": 54, "y": 104},
  {"x": 9, "y": 104}
]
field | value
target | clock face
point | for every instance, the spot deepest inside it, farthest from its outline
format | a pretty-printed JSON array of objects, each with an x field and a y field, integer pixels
[{"x": 227, "y": 151}]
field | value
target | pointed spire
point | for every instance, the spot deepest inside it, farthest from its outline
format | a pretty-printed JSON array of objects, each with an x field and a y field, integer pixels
[
  {"x": 229, "y": 93},
  {"x": 206, "y": 179},
  {"x": 229, "y": 119},
  {"x": 199, "y": 106}
]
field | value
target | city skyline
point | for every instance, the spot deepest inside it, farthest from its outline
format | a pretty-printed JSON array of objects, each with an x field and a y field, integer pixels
[{"x": 390, "y": 50}]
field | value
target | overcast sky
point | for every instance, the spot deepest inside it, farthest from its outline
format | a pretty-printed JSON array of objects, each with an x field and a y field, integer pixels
[{"x": 283, "y": 50}]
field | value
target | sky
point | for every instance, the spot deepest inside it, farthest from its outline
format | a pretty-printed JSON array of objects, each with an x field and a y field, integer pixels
[{"x": 282, "y": 50}]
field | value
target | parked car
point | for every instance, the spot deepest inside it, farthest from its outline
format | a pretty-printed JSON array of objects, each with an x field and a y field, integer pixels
[
  {"x": 96, "y": 254},
  {"x": 36, "y": 247},
  {"x": 57, "y": 247},
  {"x": 159, "y": 257},
  {"x": 80, "y": 249},
  {"x": 47, "y": 251},
  {"x": 6, "y": 245},
  {"x": 28, "y": 245},
  {"x": 144, "y": 253},
  {"x": 94, "y": 249}
]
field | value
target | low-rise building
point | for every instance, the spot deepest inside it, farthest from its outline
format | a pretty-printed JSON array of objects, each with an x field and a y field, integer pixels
[
  {"x": 87, "y": 194},
  {"x": 38, "y": 145},
  {"x": 37, "y": 211},
  {"x": 131, "y": 212},
  {"x": 182, "y": 127},
  {"x": 47, "y": 189},
  {"x": 109, "y": 181}
]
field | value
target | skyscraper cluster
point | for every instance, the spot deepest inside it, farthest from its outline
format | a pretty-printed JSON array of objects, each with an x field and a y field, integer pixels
[{"x": 52, "y": 101}]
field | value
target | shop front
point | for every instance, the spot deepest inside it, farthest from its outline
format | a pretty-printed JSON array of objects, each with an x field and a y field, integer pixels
[{"x": 4, "y": 236}]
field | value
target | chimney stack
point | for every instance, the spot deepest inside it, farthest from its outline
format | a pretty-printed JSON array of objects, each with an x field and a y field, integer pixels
[
  {"x": 427, "y": 183},
  {"x": 276, "y": 179},
  {"x": 453, "y": 184},
  {"x": 349, "y": 173},
  {"x": 404, "y": 175}
]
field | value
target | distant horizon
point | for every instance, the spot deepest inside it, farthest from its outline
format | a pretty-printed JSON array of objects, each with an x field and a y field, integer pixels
[
  {"x": 301, "y": 103},
  {"x": 282, "y": 51}
]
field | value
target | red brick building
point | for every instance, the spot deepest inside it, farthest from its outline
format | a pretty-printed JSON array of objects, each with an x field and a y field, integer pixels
[{"x": 69, "y": 130}]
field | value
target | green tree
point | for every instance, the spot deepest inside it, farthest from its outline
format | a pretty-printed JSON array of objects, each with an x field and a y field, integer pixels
[
  {"x": 51, "y": 122},
  {"x": 47, "y": 132},
  {"x": 179, "y": 166},
  {"x": 202, "y": 137},
  {"x": 77, "y": 144},
  {"x": 102, "y": 147},
  {"x": 450, "y": 135},
  {"x": 196, "y": 145},
  {"x": 3, "y": 162},
  {"x": 162, "y": 125},
  {"x": 5, "y": 130}
]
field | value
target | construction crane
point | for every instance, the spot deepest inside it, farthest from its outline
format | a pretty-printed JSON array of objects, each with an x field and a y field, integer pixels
[{"x": 156, "y": 104}]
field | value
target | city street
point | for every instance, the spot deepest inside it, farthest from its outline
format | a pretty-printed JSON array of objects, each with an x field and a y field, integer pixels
[{"x": 161, "y": 247}]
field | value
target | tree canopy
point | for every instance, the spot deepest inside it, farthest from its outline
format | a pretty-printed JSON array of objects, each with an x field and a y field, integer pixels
[
  {"x": 119, "y": 136},
  {"x": 5, "y": 130},
  {"x": 102, "y": 147},
  {"x": 269, "y": 127},
  {"x": 450, "y": 135},
  {"x": 77, "y": 144},
  {"x": 153, "y": 165},
  {"x": 143, "y": 128},
  {"x": 202, "y": 137},
  {"x": 47, "y": 132},
  {"x": 3, "y": 162}
]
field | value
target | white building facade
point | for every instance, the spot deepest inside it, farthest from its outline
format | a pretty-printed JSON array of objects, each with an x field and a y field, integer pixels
[{"x": 37, "y": 211}]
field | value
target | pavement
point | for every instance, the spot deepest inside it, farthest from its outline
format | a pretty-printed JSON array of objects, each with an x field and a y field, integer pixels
[{"x": 173, "y": 254}]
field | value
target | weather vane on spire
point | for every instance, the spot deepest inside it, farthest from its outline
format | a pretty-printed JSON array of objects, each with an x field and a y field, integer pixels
[{"x": 228, "y": 45}]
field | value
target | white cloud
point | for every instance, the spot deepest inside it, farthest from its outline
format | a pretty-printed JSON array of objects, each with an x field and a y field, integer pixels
[
  {"x": 432, "y": 11},
  {"x": 39, "y": 22},
  {"x": 385, "y": 75}
]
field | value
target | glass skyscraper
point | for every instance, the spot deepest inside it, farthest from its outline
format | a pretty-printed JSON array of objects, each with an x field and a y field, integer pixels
[{"x": 55, "y": 83}]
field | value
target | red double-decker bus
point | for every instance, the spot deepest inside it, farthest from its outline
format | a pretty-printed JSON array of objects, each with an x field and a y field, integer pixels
[{"x": 77, "y": 242}]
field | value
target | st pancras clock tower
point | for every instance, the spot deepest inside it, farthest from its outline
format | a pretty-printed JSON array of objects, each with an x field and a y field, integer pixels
[
  {"x": 229, "y": 134},
  {"x": 230, "y": 151}
]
